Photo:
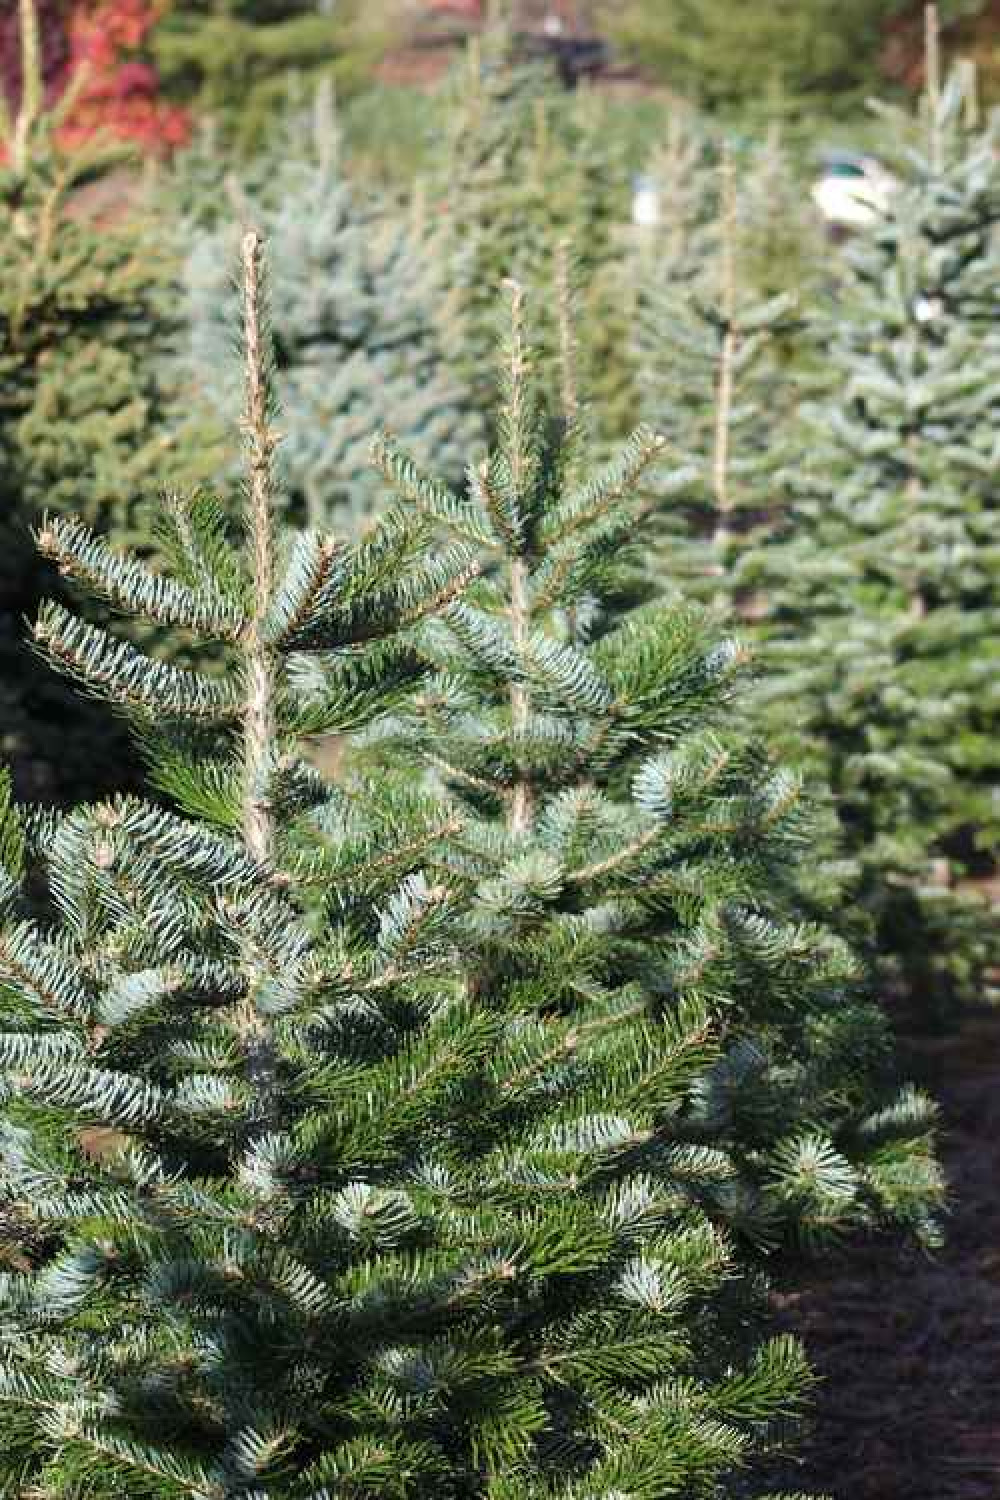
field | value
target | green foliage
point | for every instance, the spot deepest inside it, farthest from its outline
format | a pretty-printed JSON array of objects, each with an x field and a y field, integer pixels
[
  {"x": 884, "y": 597},
  {"x": 729, "y": 56},
  {"x": 200, "y": 1264},
  {"x": 713, "y": 354},
  {"x": 774, "y": 228},
  {"x": 362, "y": 338},
  {"x": 522, "y": 167},
  {"x": 390, "y": 1142},
  {"x": 82, "y": 416},
  {"x": 231, "y": 59},
  {"x": 625, "y": 849}
]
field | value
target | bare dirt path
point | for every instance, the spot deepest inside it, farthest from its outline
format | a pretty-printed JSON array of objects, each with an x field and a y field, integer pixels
[{"x": 908, "y": 1347}]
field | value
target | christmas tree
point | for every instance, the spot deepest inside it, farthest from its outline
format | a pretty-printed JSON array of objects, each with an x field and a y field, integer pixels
[
  {"x": 620, "y": 847},
  {"x": 344, "y": 1194},
  {"x": 203, "y": 1037},
  {"x": 231, "y": 59},
  {"x": 82, "y": 417},
  {"x": 524, "y": 166},
  {"x": 299, "y": 1261},
  {"x": 712, "y": 357},
  {"x": 884, "y": 597},
  {"x": 678, "y": 199},
  {"x": 779, "y": 233},
  {"x": 361, "y": 342}
]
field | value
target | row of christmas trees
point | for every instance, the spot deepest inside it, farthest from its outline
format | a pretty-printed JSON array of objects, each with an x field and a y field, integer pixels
[
  {"x": 425, "y": 1132},
  {"x": 832, "y": 478},
  {"x": 430, "y": 1128}
]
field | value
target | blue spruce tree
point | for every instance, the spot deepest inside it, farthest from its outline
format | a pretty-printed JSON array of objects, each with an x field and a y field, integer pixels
[{"x": 361, "y": 343}]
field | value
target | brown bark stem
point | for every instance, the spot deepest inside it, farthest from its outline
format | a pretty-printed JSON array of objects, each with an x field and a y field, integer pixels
[
  {"x": 259, "y": 722},
  {"x": 261, "y": 674}
]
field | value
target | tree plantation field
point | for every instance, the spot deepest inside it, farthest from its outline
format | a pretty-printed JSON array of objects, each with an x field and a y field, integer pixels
[{"x": 499, "y": 793}]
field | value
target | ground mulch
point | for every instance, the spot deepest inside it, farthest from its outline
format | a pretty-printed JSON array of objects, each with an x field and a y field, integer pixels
[{"x": 908, "y": 1346}]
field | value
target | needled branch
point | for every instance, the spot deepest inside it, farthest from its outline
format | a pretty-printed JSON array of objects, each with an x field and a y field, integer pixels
[{"x": 259, "y": 724}]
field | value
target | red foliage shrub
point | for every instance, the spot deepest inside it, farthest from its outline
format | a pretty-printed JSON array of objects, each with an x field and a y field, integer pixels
[
  {"x": 95, "y": 48},
  {"x": 121, "y": 91}
]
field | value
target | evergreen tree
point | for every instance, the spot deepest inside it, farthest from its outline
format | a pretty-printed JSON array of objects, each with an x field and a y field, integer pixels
[
  {"x": 779, "y": 233},
  {"x": 774, "y": 226},
  {"x": 884, "y": 597},
  {"x": 624, "y": 850},
  {"x": 524, "y": 165},
  {"x": 231, "y": 59},
  {"x": 683, "y": 200},
  {"x": 361, "y": 341},
  {"x": 82, "y": 417},
  {"x": 184, "y": 1037},
  {"x": 327, "y": 1218},
  {"x": 823, "y": 57},
  {"x": 713, "y": 355}
]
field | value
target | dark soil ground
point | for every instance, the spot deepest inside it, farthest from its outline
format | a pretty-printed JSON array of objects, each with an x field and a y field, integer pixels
[{"x": 908, "y": 1346}]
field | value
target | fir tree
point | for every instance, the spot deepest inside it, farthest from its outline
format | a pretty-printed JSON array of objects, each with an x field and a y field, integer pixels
[
  {"x": 779, "y": 233},
  {"x": 721, "y": 54},
  {"x": 326, "y": 1218},
  {"x": 884, "y": 597},
  {"x": 625, "y": 851},
  {"x": 712, "y": 356},
  {"x": 684, "y": 200},
  {"x": 83, "y": 419},
  {"x": 775, "y": 228},
  {"x": 231, "y": 59},
  {"x": 234, "y": 1288},
  {"x": 361, "y": 341},
  {"x": 524, "y": 166}
]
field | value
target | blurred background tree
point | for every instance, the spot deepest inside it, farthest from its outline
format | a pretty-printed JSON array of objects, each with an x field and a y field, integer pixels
[
  {"x": 86, "y": 426},
  {"x": 727, "y": 56},
  {"x": 362, "y": 344},
  {"x": 231, "y": 59}
]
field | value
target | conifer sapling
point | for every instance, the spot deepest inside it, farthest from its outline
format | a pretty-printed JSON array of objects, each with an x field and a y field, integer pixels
[{"x": 883, "y": 595}]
